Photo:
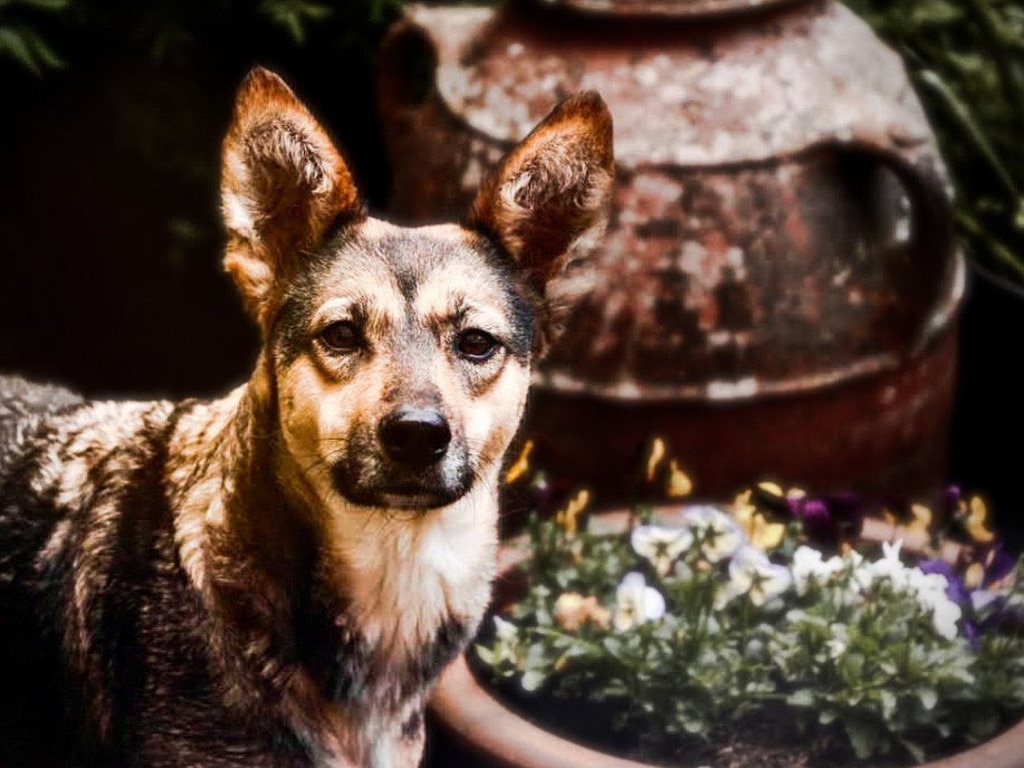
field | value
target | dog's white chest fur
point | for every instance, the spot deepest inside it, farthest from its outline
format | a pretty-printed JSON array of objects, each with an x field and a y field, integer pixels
[{"x": 408, "y": 574}]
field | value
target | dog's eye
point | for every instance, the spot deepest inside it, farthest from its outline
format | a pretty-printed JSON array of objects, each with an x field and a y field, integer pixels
[
  {"x": 476, "y": 345},
  {"x": 342, "y": 336}
]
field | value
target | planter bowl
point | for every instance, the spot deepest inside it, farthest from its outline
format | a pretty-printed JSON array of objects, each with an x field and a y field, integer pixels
[{"x": 474, "y": 725}]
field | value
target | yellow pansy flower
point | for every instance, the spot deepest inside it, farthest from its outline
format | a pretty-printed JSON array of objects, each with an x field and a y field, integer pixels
[
  {"x": 761, "y": 532},
  {"x": 521, "y": 465},
  {"x": 568, "y": 518}
]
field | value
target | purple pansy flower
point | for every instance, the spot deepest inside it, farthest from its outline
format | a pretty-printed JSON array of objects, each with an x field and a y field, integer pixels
[
  {"x": 998, "y": 565},
  {"x": 984, "y": 609},
  {"x": 957, "y": 590},
  {"x": 829, "y": 519}
]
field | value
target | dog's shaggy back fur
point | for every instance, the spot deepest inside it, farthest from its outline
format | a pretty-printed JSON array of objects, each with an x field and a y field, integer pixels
[{"x": 277, "y": 577}]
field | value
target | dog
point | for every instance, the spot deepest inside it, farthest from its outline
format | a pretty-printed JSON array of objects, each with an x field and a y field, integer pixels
[{"x": 277, "y": 577}]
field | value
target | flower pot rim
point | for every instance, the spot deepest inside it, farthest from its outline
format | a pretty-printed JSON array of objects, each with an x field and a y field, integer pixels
[{"x": 468, "y": 712}]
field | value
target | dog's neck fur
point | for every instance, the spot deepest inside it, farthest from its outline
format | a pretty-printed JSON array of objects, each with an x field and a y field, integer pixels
[{"x": 414, "y": 584}]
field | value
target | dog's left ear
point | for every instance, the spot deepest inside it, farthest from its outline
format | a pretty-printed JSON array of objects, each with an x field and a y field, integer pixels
[
  {"x": 548, "y": 201},
  {"x": 283, "y": 185}
]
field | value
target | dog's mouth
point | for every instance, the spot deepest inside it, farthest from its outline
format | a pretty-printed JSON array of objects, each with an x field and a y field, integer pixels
[{"x": 396, "y": 488}]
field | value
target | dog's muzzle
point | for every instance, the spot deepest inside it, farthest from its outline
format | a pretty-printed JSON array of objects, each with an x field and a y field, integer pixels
[{"x": 413, "y": 462}]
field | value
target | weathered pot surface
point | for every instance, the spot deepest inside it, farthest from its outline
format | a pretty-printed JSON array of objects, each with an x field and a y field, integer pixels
[
  {"x": 483, "y": 726},
  {"x": 780, "y": 246}
]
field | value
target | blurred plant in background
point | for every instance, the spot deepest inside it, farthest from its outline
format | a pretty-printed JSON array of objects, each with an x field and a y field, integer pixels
[
  {"x": 966, "y": 58},
  {"x": 168, "y": 28},
  {"x": 110, "y": 154},
  {"x": 20, "y": 40}
]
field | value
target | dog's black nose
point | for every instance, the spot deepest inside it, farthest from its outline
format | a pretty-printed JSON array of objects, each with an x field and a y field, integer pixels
[{"x": 415, "y": 436}]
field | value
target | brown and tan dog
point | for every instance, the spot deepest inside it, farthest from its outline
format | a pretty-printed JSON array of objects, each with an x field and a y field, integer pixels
[{"x": 276, "y": 578}]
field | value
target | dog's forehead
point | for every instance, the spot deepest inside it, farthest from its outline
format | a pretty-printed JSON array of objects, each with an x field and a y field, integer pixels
[{"x": 430, "y": 266}]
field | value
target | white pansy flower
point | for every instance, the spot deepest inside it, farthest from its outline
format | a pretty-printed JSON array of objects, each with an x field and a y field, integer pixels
[
  {"x": 660, "y": 545},
  {"x": 636, "y": 603},
  {"x": 751, "y": 573},
  {"x": 506, "y": 645},
  {"x": 504, "y": 630},
  {"x": 929, "y": 589},
  {"x": 888, "y": 567},
  {"x": 719, "y": 535},
  {"x": 810, "y": 567},
  {"x": 946, "y": 617},
  {"x": 839, "y": 640}
]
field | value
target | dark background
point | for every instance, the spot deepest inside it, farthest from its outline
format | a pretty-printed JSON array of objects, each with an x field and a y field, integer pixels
[{"x": 110, "y": 237}]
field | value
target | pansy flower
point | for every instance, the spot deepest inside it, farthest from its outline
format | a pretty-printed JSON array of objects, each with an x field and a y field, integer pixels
[
  {"x": 809, "y": 567},
  {"x": 569, "y": 518},
  {"x": 975, "y": 521},
  {"x": 677, "y": 482},
  {"x": 956, "y": 588},
  {"x": 929, "y": 586},
  {"x": 521, "y": 465},
  {"x": 572, "y": 610},
  {"x": 829, "y": 520},
  {"x": 660, "y": 545},
  {"x": 986, "y": 582},
  {"x": 717, "y": 533},
  {"x": 636, "y": 603},
  {"x": 969, "y": 515},
  {"x": 751, "y": 573},
  {"x": 764, "y": 530}
]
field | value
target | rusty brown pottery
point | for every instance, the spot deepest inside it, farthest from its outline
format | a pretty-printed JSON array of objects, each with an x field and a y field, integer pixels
[{"x": 778, "y": 287}]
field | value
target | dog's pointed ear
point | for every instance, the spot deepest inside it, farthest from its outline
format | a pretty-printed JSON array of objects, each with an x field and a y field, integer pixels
[
  {"x": 548, "y": 201},
  {"x": 283, "y": 185}
]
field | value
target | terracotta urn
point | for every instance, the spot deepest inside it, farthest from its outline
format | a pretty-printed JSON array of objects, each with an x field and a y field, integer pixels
[{"x": 778, "y": 287}]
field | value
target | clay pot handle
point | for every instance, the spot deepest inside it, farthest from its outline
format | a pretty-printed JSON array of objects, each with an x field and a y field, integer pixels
[
  {"x": 407, "y": 70},
  {"x": 937, "y": 263}
]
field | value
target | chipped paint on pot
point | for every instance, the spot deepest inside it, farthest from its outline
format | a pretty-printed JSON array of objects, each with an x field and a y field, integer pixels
[{"x": 780, "y": 234}]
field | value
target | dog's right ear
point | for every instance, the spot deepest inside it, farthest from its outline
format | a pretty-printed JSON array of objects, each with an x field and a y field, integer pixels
[{"x": 283, "y": 185}]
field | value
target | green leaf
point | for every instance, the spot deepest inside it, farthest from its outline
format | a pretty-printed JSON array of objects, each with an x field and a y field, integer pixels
[
  {"x": 888, "y": 700},
  {"x": 916, "y": 750},
  {"x": 28, "y": 49},
  {"x": 971, "y": 128},
  {"x": 984, "y": 722},
  {"x": 803, "y": 697},
  {"x": 14, "y": 45},
  {"x": 864, "y": 737},
  {"x": 43, "y": 5}
]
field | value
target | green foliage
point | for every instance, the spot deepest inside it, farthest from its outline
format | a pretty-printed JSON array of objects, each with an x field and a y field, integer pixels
[
  {"x": 966, "y": 58},
  {"x": 19, "y": 38},
  {"x": 294, "y": 15},
  {"x": 32, "y": 32},
  {"x": 866, "y": 648}
]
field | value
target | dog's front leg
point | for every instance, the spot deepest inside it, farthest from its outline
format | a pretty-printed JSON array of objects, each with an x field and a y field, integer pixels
[
  {"x": 400, "y": 740},
  {"x": 364, "y": 741}
]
